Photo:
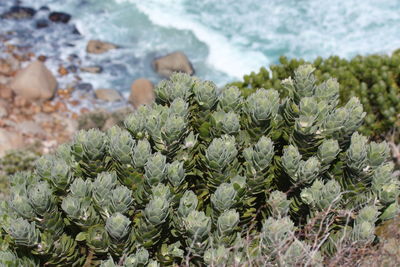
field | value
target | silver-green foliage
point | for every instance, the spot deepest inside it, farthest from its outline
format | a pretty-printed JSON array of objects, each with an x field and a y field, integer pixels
[{"x": 206, "y": 177}]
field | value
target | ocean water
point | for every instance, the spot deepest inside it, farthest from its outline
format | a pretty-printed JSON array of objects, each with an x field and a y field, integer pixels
[{"x": 224, "y": 39}]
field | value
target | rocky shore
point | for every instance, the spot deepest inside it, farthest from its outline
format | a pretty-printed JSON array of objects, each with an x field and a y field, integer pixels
[{"x": 44, "y": 99}]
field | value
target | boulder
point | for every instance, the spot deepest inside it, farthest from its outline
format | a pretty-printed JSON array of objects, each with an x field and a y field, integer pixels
[
  {"x": 10, "y": 140},
  {"x": 19, "y": 12},
  {"x": 99, "y": 47},
  {"x": 92, "y": 69},
  {"x": 35, "y": 82},
  {"x": 142, "y": 93},
  {"x": 174, "y": 62},
  {"x": 109, "y": 95},
  {"x": 59, "y": 17}
]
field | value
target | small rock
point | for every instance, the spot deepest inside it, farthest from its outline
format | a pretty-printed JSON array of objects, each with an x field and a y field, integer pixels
[
  {"x": 174, "y": 62},
  {"x": 99, "y": 47},
  {"x": 5, "y": 92},
  {"x": 42, "y": 23},
  {"x": 72, "y": 68},
  {"x": 109, "y": 95},
  {"x": 59, "y": 17},
  {"x": 42, "y": 58},
  {"x": 10, "y": 140},
  {"x": 92, "y": 69},
  {"x": 64, "y": 93},
  {"x": 35, "y": 82},
  {"x": 19, "y": 12},
  {"x": 5, "y": 67},
  {"x": 142, "y": 93},
  {"x": 85, "y": 87},
  {"x": 62, "y": 71},
  {"x": 49, "y": 107},
  {"x": 44, "y": 8},
  {"x": 61, "y": 107}
]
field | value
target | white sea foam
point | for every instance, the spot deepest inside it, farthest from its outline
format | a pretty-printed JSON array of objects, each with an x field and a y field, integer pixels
[
  {"x": 224, "y": 54},
  {"x": 225, "y": 38}
]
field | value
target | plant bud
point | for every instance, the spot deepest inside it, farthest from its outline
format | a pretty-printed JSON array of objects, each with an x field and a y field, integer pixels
[
  {"x": 356, "y": 155},
  {"x": 140, "y": 258},
  {"x": 175, "y": 173},
  {"x": 80, "y": 188},
  {"x": 291, "y": 160},
  {"x": 262, "y": 105},
  {"x": 141, "y": 153},
  {"x": 41, "y": 198},
  {"x": 101, "y": 187},
  {"x": 279, "y": 204},
  {"x": 260, "y": 157},
  {"x": 320, "y": 195},
  {"x": 198, "y": 225},
  {"x": 328, "y": 91},
  {"x": 157, "y": 210},
  {"x": 117, "y": 226},
  {"x": 230, "y": 99},
  {"x": 121, "y": 199},
  {"x": 224, "y": 197},
  {"x": 304, "y": 81},
  {"x": 173, "y": 128},
  {"x": 205, "y": 94},
  {"x": 161, "y": 191},
  {"x": 24, "y": 233},
  {"x": 308, "y": 170},
  {"x": 227, "y": 221},
  {"x": 121, "y": 145},
  {"x": 135, "y": 122},
  {"x": 155, "y": 169},
  {"x": 20, "y": 203},
  {"x": 187, "y": 203},
  {"x": 378, "y": 153},
  {"x": 93, "y": 143},
  {"x": 328, "y": 151},
  {"x": 276, "y": 231},
  {"x": 179, "y": 108},
  {"x": 221, "y": 152},
  {"x": 61, "y": 175}
]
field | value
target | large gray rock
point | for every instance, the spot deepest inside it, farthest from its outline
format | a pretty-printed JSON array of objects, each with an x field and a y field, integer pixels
[
  {"x": 142, "y": 93},
  {"x": 174, "y": 62},
  {"x": 35, "y": 82},
  {"x": 99, "y": 47}
]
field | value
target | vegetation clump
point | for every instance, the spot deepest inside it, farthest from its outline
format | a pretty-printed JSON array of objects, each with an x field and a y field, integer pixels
[
  {"x": 207, "y": 178},
  {"x": 374, "y": 79}
]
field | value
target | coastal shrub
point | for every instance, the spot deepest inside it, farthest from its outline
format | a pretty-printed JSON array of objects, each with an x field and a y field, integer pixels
[
  {"x": 14, "y": 161},
  {"x": 374, "y": 79},
  {"x": 207, "y": 178}
]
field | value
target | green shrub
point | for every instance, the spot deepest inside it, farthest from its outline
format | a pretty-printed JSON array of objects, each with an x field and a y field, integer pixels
[
  {"x": 207, "y": 179},
  {"x": 374, "y": 79},
  {"x": 14, "y": 161}
]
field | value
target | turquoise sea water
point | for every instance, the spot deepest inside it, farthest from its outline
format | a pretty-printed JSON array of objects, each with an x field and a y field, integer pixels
[{"x": 226, "y": 39}]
